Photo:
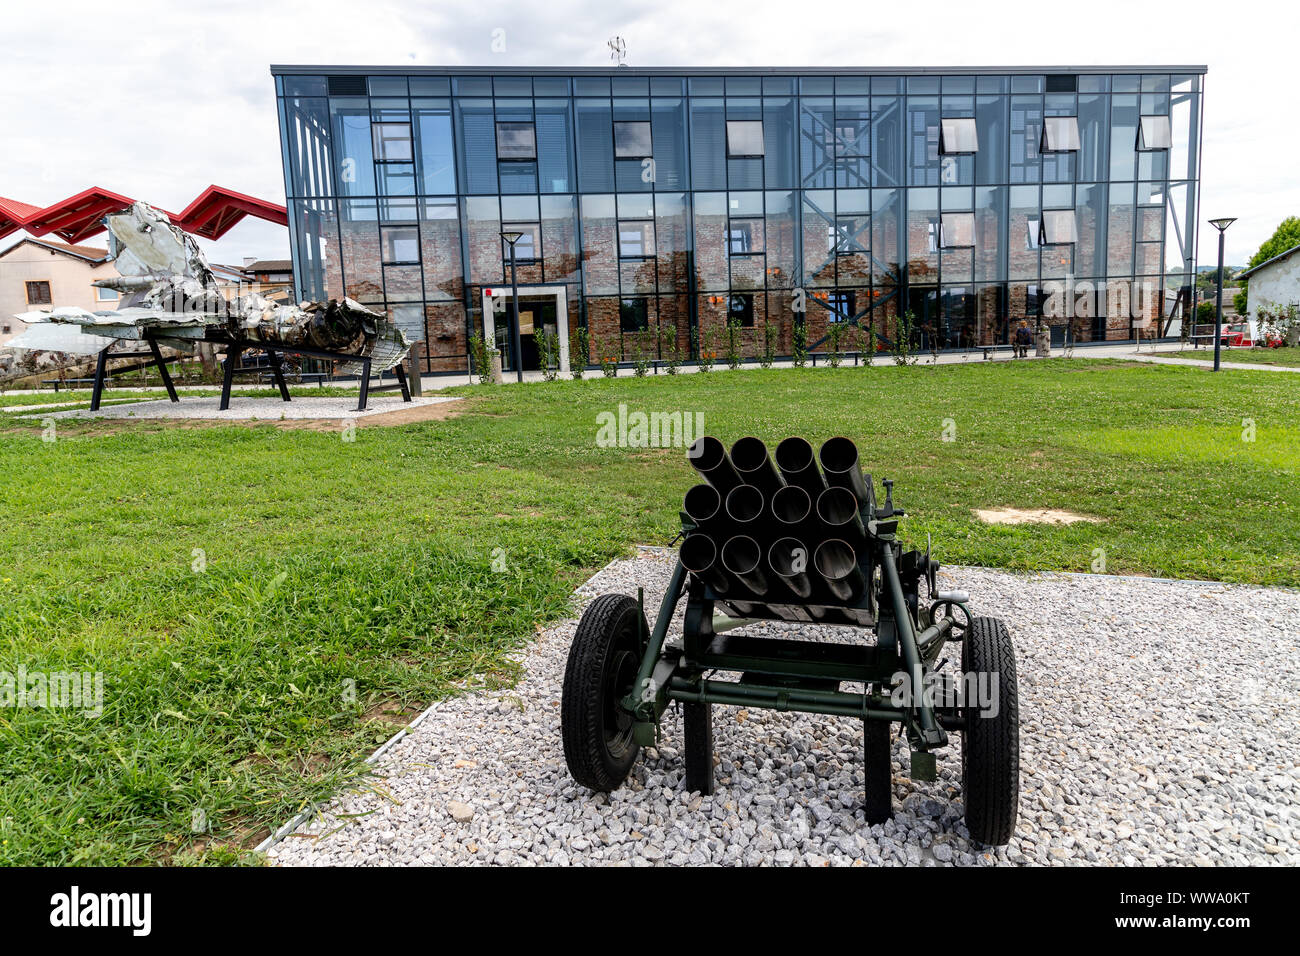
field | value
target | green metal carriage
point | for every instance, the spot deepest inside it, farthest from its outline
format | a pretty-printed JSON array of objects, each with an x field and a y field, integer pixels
[{"x": 783, "y": 540}]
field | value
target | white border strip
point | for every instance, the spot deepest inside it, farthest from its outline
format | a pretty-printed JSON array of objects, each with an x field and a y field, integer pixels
[{"x": 304, "y": 815}]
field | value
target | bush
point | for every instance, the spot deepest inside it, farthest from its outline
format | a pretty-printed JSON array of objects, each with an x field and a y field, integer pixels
[
  {"x": 579, "y": 351},
  {"x": 482, "y": 354}
]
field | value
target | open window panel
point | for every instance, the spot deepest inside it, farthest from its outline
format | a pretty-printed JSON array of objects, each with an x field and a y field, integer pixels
[
  {"x": 636, "y": 240},
  {"x": 528, "y": 247},
  {"x": 1060, "y": 227},
  {"x": 1033, "y": 233},
  {"x": 632, "y": 140},
  {"x": 1154, "y": 132},
  {"x": 957, "y": 135},
  {"x": 957, "y": 230},
  {"x": 744, "y": 139},
  {"x": 516, "y": 141},
  {"x": 1060, "y": 134}
]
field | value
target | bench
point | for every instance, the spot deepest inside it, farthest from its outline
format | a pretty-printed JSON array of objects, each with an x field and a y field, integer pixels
[
  {"x": 990, "y": 349},
  {"x": 267, "y": 375},
  {"x": 59, "y": 382}
]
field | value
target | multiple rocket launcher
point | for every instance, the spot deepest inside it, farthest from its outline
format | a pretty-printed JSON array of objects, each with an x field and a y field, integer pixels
[{"x": 778, "y": 528}]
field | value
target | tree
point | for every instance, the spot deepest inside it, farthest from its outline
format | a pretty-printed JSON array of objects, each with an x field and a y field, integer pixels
[{"x": 1286, "y": 236}]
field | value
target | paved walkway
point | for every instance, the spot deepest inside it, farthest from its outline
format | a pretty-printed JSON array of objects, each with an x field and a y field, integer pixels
[
  {"x": 1208, "y": 362},
  {"x": 1125, "y": 351}
]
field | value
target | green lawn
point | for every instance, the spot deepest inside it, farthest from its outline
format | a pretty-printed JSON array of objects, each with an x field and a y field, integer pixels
[
  {"x": 1282, "y": 356},
  {"x": 344, "y": 585}
]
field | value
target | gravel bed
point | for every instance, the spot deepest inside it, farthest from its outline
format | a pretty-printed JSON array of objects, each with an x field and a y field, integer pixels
[
  {"x": 1158, "y": 726},
  {"x": 246, "y": 409}
]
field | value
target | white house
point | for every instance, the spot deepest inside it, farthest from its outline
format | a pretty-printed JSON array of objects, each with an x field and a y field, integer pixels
[{"x": 1274, "y": 282}]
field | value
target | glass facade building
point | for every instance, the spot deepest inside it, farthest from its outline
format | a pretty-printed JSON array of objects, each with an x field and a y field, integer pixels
[{"x": 655, "y": 205}]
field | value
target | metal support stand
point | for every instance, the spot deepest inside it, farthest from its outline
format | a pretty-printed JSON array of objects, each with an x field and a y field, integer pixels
[
  {"x": 101, "y": 363},
  {"x": 277, "y": 372},
  {"x": 162, "y": 368},
  {"x": 155, "y": 360},
  {"x": 228, "y": 377},
  {"x": 276, "y": 358}
]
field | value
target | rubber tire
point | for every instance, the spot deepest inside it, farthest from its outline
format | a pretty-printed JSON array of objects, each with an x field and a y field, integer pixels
[
  {"x": 990, "y": 753},
  {"x": 878, "y": 770},
  {"x": 609, "y": 635},
  {"x": 697, "y": 725}
]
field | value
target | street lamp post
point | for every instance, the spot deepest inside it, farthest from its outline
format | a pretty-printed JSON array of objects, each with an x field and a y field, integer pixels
[
  {"x": 511, "y": 237},
  {"x": 1221, "y": 225}
]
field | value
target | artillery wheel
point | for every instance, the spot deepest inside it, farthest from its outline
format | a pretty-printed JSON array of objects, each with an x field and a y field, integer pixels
[
  {"x": 990, "y": 752},
  {"x": 598, "y": 743},
  {"x": 880, "y": 782},
  {"x": 697, "y": 724}
]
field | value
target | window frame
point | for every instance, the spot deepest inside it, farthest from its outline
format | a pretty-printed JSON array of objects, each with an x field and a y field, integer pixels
[
  {"x": 380, "y": 152},
  {"x": 385, "y": 245},
  {"x": 1034, "y": 232},
  {"x": 638, "y": 154},
  {"x": 107, "y": 295},
  {"x": 847, "y": 297},
  {"x": 839, "y": 235},
  {"x": 943, "y": 136},
  {"x": 49, "y": 291},
  {"x": 1166, "y": 129},
  {"x": 745, "y": 226},
  {"x": 646, "y": 227},
  {"x": 1053, "y": 215},
  {"x": 531, "y": 229},
  {"x": 737, "y": 152},
  {"x": 746, "y": 314},
  {"x": 531, "y": 126},
  {"x": 946, "y": 240},
  {"x": 1072, "y": 136},
  {"x": 638, "y": 300}
]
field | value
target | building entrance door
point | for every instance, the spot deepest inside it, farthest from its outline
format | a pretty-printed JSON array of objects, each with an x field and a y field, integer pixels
[
  {"x": 536, "y": 317},
  {"x": 541, "y": 309}
]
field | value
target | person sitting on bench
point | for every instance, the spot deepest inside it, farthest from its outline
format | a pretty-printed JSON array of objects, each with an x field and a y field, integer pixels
[{"x": 1022, "y": 340}]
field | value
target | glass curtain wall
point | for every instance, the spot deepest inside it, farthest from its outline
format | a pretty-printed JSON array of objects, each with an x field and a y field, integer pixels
[{"x": 667, "y": 208}]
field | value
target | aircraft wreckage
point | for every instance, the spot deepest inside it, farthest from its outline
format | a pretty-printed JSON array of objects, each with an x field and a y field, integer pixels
[{"x": 170, "y": 295}]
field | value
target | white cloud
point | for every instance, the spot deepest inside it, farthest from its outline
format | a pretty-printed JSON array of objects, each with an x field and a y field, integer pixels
[{"x": 157, "y": 100}]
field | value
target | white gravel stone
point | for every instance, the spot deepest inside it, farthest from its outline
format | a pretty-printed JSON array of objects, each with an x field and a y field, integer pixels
[{"x": 1157, "y": 727}]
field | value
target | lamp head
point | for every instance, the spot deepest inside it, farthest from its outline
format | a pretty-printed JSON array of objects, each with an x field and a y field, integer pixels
[
  {"x": 511, "y": 236},
  {"x": 1222, "y": 224}
]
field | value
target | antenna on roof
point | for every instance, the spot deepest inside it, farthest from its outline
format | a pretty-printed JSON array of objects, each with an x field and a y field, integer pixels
[{"x": 617, "y": 50}]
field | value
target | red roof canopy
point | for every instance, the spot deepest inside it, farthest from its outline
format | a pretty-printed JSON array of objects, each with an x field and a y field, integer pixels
[
  {"x": 77, "y": 217},
  {"x": 218, "y": 209},
  {"x": 14, "y": 215},
  {"x": 211, "y": 215}
]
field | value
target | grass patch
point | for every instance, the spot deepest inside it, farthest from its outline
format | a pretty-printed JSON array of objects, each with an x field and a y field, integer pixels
[
  {"x": 1283, "y": 356},
  {"x": 346, "y": 584}
]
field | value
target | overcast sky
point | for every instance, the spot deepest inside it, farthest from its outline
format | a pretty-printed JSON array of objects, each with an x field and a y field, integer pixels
[{"x": 157, "y": 99}]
